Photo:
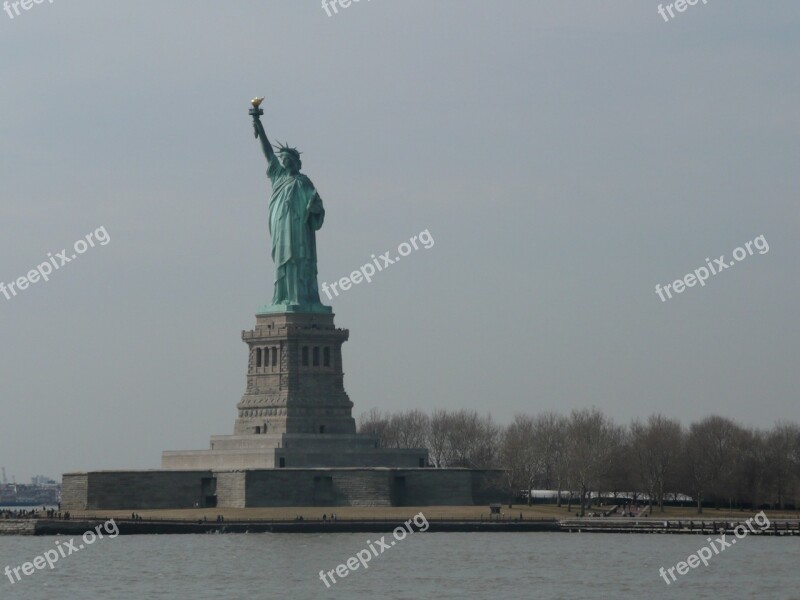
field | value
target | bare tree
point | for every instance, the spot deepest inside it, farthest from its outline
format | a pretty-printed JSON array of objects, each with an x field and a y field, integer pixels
[
  {"x": 438, "y": 438},
  {"x": 376, "y": 424},
  {"x": 593, "y": 441},
  {"x": 519, "y": 456},
  {"x": 656, "y": 449},
  {"x": 709, "y": 458},
  {"x": 409, "y": 429},
  {"x": 795, "y": 456},
  {"x": 512, "y": 461},
  {"x": 752, "y": 475},
  {"x": 781, "y": 448},
  {"x": 472, "y": 440},
  {"x": 550, "y": 444}
]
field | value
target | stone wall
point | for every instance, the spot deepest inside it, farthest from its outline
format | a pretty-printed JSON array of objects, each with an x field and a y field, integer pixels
[
  {"x": 124, "y": 490},
  {"x": 206, "y": 460},
  {"x": 359, "y": 487},
  {"x": 319, "y": 487},
  {"x": 487, "y": 487},
  {"x": 17, "y": 527},
  {"x": 137, "y": 490},
  {"x": 280, "y": 487},
  {"x": 362, "y": 488},
  {"x": 298, "y": 451},
  {"x": 231, "y": 489},
  {"x": 434, "y": 487},
  {"x": 369, "y": 458},
  {"x": 75, "y": 491}
]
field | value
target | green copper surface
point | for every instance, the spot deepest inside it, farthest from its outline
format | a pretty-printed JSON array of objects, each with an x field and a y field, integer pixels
[{"x": 296, "y": 213}]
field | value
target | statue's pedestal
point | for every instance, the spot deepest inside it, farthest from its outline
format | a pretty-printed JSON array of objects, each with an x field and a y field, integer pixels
[{"x": 295, "y": 412}]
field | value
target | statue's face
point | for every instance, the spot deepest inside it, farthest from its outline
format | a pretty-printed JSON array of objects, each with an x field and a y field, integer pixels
[{"x": 290, "y": 163}]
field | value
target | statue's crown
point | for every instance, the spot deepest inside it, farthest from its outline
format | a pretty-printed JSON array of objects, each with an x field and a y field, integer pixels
[{"x": 288, "y": 149}]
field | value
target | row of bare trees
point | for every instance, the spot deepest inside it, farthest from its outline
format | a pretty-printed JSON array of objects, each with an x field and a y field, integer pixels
[
  {"x": 453, "y": 439},
  {"x": 713, "y": 461}
]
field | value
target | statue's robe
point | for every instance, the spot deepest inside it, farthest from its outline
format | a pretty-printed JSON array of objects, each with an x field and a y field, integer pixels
[{"x": 295, "y": 214}]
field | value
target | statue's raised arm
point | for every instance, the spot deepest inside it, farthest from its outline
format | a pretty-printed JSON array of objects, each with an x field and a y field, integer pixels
[{"x": 258, "y": 128}]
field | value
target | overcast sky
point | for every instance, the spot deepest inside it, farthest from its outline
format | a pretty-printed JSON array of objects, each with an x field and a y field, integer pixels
[{"x": 565, "y": 155}]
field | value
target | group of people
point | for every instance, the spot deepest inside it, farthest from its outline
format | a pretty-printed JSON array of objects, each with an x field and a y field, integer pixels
[
  {"x": 324, "y": 517},
  {"x": 220, "y": 519},
  {"x": 18, "y": 514},
  {"x": 49, "y": 513}
]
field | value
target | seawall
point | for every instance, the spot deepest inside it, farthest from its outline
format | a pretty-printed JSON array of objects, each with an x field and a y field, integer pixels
[{"x": 76, "y": 528}]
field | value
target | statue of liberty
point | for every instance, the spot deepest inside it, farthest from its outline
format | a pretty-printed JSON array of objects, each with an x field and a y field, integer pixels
[{"x": 295, "y": 214}]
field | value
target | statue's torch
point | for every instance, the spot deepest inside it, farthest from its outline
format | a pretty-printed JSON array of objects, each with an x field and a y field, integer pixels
[{"x": 256, "y": 111}]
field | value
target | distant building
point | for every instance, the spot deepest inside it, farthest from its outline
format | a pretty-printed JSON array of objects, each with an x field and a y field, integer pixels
[{"x": 43, "y": 480}]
